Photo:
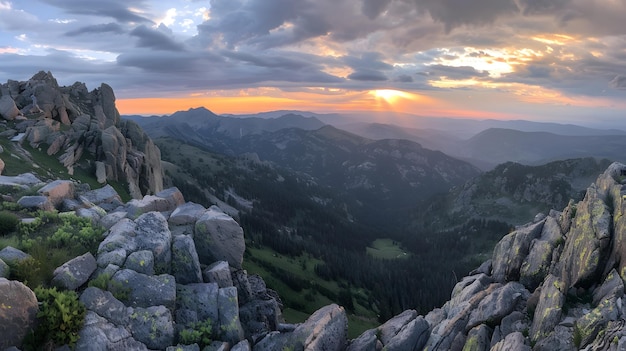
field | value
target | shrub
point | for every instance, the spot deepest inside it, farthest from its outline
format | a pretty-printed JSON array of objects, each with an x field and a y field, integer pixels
[
  {"x": 61, "y": 316},
  {"x": 8, "y": 222},
  {"x": 197, "y": 333}
]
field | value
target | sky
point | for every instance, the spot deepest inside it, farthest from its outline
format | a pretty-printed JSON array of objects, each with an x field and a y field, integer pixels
[{"x": 546, "y": 60}]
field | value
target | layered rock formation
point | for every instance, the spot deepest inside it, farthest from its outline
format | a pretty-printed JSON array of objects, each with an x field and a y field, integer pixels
[{"x": 83, "y": 129}]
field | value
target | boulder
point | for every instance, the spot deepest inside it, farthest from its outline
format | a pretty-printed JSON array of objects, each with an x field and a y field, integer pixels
[
  {"x": 510, "y": 252},
  {"x": 101, "y": 335},
  {"x": 1, "y": 166},
  {"x": 218, "y": 237},
  {"x": 36, "y": 203},
  {"x": 187, "y": 213},
  {"x": 548, "y": 311},
  {"x": 173, "y": 196},
  {"x": 390, "y": 328},
  {"x": 152, "y": 326},
  {"x": 116, "y": 257},
  {"x": 218, "y": 272},
  {"x": 106, "y": 194},
  {"x": 478, "y": 339},
  {"x": 366, "y": 342},
  {"x": 105, "y": 305},
  {"x": 141, "y": 262},
  {"x": 325, "y": 329},
  {"x": 13, "y": 256},
  {"x": 412, "y": 336},
  {"x": 185, "y": 263},
  {"x": 101, "y": 172},
  {"x": 495, "y": 306},
  {"x": 140, "y": 290},
  {"x": 243, "y": 345},
  {"x": 197, "y": 303},
  {"x": 229, "y": 329},
  {"x": 179, "y": 347},
  {"x": 258, "y": 317},
  {"x": 514, "y": 341},
  {"x": 120, "y": 236},
  {"x": 590, "y": 324},
  {"x": 149, "y": 203},
  {"x": 75, "y": 272},
  {"x": 111, "y": 219},
  {"x": 154, "y": 234},
  {"x": 18, "y": 312},
  {"x": 8, "y": 109},
  {"x": 613, "y": 286}
]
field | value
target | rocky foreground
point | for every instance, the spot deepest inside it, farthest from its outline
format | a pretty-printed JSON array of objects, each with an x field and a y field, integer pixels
[{"x": 554, "y": 284}]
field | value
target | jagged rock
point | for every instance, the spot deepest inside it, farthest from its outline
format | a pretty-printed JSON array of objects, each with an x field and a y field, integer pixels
[
  {"x": 185, "y": 263},
  {"x": 36, "y": 203},
  {"x": 187, "y": 213},
  {"x": 412, "y": 336},
  {"x": 393, "y": 326},
  {"x": 259, "y": 317},
  {"x": 141, "y": 262},
  {"x": 613, "y": 286},
  {"x": 100, "y": 335},
  {"x": 111, "y": 219},
  {"x": 484, "y": 268},
  {"x": 153, "y": 234},
  {"x": 1, "y": 166},
  {"x": 478, "y": 339},
  {"x": 197, "y": 303},
  {"x": 325, "y": 329},
  {"x": 548, "y": 312},
  {"x": 228, "y": 309},
  {"x": 510, "y": 252},
  {"x": 101, "y": 172},
  {"x": 150, "y": 178},
  {"x": 498, "y": 304},
  {"x": 241, "y": 282},
  {"x": 514, "y": 322},
  {"x": 75, "y": 272},
  {"x": 513, "y": 341},
  {"x": 149, "y": 203},
  {"x": 24, "y": 181},
  {"x": 152, "y": 326},
  {"x": 217, "y": 346},
  {"x": 143, "y": 290},
  {"x": 18, "y": 312},
  {"x": 560, "y": 339},
  {"x": 4, "y": 269},
  {"x": 94, "y": 213},
  {"x": 8, "y": 109},
  {"x": 57, "y": 191},
  {"x": 106, "y": 194},
  {"x": 41, "y": 131},
  {"x": 13, "y": 256},
  {"x": 120, "y": 236},
  {"x": 464, "y": 290},
  {"x": 589, "y": 325},
  {"x": 535, "y": 266},
  {"x": 218, "y": 272},
  {"x": 105, "y": 305},
  {"x": 366, "y": 342},
  {"x": 588, "y": 240},
  {"x": 219, "y": 238}
]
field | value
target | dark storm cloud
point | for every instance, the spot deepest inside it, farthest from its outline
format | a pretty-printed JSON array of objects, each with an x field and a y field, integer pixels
[
  {"x": 541, "y": 7},
  {"x": 455, "y": 13},
  {"x": 368, "y": 76},
  {"x": 373, "y": 8},
  {"x": 155, "y": 39},
  {"x": 113, "y": 28},
  {"x": 403, "y": 78},
  {"x": 460, "y": 73},
  {"x": 117, "y": 9}
]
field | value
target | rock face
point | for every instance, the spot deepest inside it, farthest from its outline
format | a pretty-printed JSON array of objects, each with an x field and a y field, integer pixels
[
  {"x": 121, "y": 151},
  {"x": 18, "y": 309},
  {"x": 219, "y": 237}
]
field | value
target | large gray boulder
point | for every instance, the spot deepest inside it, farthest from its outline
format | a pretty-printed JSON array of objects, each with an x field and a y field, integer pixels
[
  {"x": 101, "y": 335},
  {"x": 478, "y": 339},
  {"x": 4, "y": 269},
  {"x": 152, "y": 326},
  {"x": 548, "y": 311},
  {"x": 36, "y": 203},
  {"x": 412, "y": 336},
  {"x": 149, "y": 203},
  {"x": 57, "y": 191},
  {"x": 324, "y": 330},
  {"x": 536, "y": 265},
  {"x": 218, "y": 272},
  {"x": 141, "y": 262},
  {"x": 140, "y": 290},
  {"x": 219, "y": 237},
  {"x": 498, "y": 304},
  {"x": 187, "y": 213},
  {"x": 120, "y": 236},
  {"x": 154, "y": 234},
  {"x": 366, "y": 342},
  {"x": 18, "y": 312},
  {"x": 228, "y": 309},
  {"x": 105, "y": 305},
  {"x": 173, "y": 196},
  {"x": 106, "y": 194},
  {"x": 75, "y": 272},
  {"x": 13, "y": 256},
  {"x": 185, "y": 263},
  {"x": 514, "y": 341},
  {"x": 197, "y": 303},
  {"x": 510, "y": 252},
  {"x": 8, "y": 109}
]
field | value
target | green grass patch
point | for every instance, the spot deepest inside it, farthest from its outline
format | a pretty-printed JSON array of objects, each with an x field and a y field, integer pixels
[
  {"x": 302, "y": 291},
  {"x": 387, "y": 249}
]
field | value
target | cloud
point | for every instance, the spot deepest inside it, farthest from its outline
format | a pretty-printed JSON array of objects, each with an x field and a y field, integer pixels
[
  {"x": 368, "y": 75},
  {"x": 619, "y": 82},
  {"x": 373, "y": 8},
  {"x": 120, "y": 10},
  {"x": 155, "y": 39},
  {"x": 455, "y": 13},
  {"x": 113, "y": 28},
  {"x": 452, "y": 72}
]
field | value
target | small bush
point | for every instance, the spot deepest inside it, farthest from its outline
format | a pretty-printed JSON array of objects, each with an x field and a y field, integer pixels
[
  {"x": 28, "y": 271},
  {"x": 101, "y": 281},
  {"x": 61, "y": 316},
  {"x": 8, "y": 222},
  {"x": 197, "y": 333}
]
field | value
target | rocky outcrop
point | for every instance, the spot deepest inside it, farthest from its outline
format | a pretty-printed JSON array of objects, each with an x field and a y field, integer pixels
[
  {"x": 219, "y": 237},
  {"x": 96, "y": 139}
]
